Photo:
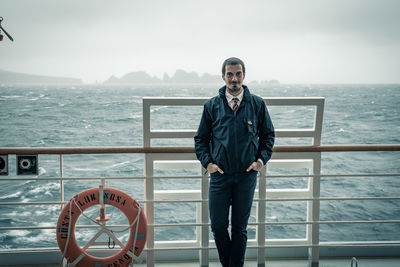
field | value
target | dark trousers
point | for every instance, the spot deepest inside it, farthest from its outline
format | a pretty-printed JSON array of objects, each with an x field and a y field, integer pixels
[{"x": 238, "y": 191}]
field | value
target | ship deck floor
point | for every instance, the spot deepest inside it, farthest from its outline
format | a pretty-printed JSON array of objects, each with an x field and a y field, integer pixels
[
  {"x": 362, "y": 262},
  {"x": 342, "y": 262}
]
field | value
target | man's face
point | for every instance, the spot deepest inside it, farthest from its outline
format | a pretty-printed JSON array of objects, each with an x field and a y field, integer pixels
[{"x": 233, "y": 78}]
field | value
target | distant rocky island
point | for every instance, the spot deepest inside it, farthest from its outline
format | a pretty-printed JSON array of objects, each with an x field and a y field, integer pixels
[
  {"x": 137, "y": 77},
  {"x": 8, "y": 77},
  {"x": 180, "y": 76}
]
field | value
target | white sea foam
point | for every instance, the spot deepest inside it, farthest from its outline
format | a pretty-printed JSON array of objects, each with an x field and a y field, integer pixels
[
  {"x": 118, "y": 165},
  {"x": 18, "y": 232},
  {"x": 14, "y": 195},
  {"x": 18, "y": 214},
  {"x": 11, "y": 96},
  {"x": 135, "y": 116},
  {"x": 45, "y": 189},
  {"x": 152, "y": 110},
  {"x": 42, "y": 171},
  {"x": 86, "y": 169}
]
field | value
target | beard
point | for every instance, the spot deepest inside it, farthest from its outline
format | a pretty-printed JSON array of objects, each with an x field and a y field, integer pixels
[{"x": 234, "y": 88}]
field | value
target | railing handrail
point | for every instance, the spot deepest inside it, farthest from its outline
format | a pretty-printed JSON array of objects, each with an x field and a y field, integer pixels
[{"x": 176, "y": 149}]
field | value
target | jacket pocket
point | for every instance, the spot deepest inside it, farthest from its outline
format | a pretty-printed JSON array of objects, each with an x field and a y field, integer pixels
[
  {"x": 254, "y": 142},
  {"x": 249, "y": 154},
  {"x": 216, "y": 152},
  {"x": 251, "y": 128}
]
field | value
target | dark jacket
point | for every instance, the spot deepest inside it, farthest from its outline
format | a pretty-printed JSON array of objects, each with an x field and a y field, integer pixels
[{"x": 234, "y": 141}]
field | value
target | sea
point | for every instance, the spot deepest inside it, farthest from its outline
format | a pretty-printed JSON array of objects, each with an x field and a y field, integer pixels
[{"x": 110, "y": 115}]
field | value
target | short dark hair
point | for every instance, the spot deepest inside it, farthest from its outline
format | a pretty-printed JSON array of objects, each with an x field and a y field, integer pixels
[{"x": 233, "y": 61}]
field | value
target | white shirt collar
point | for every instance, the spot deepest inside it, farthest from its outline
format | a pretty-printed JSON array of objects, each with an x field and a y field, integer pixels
[{"x": 229, "y": 97}]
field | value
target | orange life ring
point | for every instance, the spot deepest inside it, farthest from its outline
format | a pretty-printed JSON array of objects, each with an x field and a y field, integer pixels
[{"x": 86, "y": 199}]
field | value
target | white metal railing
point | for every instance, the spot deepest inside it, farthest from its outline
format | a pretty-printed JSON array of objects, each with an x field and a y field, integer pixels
[
  {"x": 314, "y": 133},
  {"x": 311, "y": 161},
  {"x": 166, "y": 158}
]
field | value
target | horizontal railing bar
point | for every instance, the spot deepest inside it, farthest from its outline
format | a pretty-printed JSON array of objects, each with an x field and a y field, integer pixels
[
  {"x": 322, "y": 245},
  {"x": 38, "y": 203},
  {"x": 190, "y": 177},
  {"x": 178, "y": 133},
  {"x": 132, "y": 149},
  {"x": 174, "y": 101},
  {"x": 98, "y": 178},
  {"x": 346, "y": 243},
  {"x": 280, "y": 246},
  {"x": 187, "y": 133},
  {"x": 359, "y": 222},
  {"x": 94, "y": 226},
  {"x": 376, "y": 175},
  {"x": 357, "y": 198},
  {"x": 326, "y": 246},
  {"x": 173, "y": 201},
  {"x": 274, "y": 199},
  {"x": 68, "y": 178},
  {"x": 285, "y": 223},
  {"x": 54, "y": 227},
  {"x": 206, "y": 224},
  {"x": 65, "y": 202},
  {"x": 327, "y": 198},
  {"x": 206, "y": 200},
  {"x": 334, "y": 175},
  {"x": 294, "y": 101},
  {"x": 328, "y": 222},
  {"x": 197, "y": 101},
  {"x": 338, "y": 148},
  {"x": 363, "y": 245},
  {"x": 249, "y": 247},
  {"x": 139, "y": 201}
]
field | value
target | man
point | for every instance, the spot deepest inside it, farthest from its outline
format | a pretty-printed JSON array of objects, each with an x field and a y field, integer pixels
[{"x": 234, "y": 140}]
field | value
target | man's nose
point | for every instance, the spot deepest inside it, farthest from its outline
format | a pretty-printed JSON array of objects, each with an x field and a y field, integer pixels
[{"x": 234, "y": 78}]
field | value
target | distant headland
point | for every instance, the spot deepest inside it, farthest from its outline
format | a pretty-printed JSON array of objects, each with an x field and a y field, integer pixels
[{"x": 8, "y": 77}]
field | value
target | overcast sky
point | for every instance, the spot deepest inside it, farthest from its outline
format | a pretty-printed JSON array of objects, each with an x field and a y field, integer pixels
[{"x": 294, "y": 41}]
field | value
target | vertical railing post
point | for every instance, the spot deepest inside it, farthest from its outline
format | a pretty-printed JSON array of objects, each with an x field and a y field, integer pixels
[
  {"x": 261, "y": 210},
  {"x": 314, "y": 205},
  {"x": 319, "y": 116},
  {"x": 149, "y": 207},
  {"x": 198, "y": 221},
  {"x": 204, "y": 239},
  {"x": 61, "y": 182},
  {"x": 314, "y": 213},
  {"x": 148, "y": 185},
  {"x": 146, "y": 123}
]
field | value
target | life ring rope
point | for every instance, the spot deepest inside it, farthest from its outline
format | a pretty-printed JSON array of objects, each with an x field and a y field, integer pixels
[
  {"x": 68, "y": 235},
  {"x": 103, "y": 229}
]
